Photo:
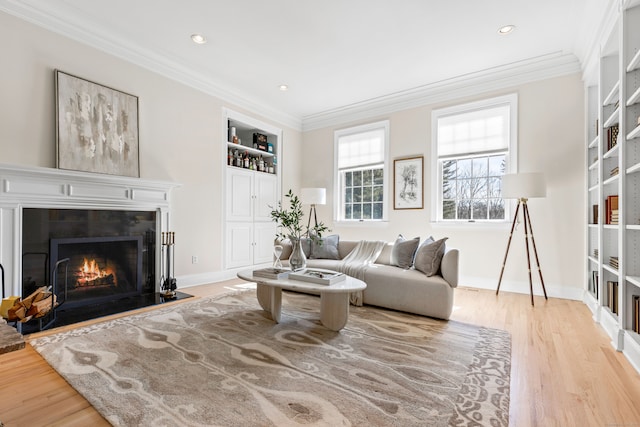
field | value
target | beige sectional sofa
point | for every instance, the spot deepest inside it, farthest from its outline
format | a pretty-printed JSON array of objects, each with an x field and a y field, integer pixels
[{"x": 396, "y": 288}]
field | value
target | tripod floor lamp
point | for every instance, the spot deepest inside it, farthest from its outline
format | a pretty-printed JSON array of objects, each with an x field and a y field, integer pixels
[
  {"x": 313, "y": 197},
  {"x": 524, "y": 186}
]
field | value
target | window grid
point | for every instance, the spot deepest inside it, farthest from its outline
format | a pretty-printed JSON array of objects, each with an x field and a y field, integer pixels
[
  {"x": 472, "y": 188},
  {"x": 363, "y": 193}
]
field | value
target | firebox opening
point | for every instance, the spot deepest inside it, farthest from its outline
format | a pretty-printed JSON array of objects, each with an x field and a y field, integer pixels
[{"x": 99, "y": 268}]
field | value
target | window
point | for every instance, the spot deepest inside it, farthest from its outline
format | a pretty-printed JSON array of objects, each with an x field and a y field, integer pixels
[
  {"x": 474, "y": 145},
  {"x": 361, "y": 172}
]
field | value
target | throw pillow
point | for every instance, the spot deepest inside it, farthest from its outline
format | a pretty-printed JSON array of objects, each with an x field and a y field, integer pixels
[
  {"x": 429, "y": 255},
  {"x": 403, "y": 251},
  {"x": 325, "y": 248}
]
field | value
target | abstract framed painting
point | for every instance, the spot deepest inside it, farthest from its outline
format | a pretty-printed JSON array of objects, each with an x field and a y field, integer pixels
[
  {"x": 96, "y": 127},
  {"x": 408, "y": 183}
]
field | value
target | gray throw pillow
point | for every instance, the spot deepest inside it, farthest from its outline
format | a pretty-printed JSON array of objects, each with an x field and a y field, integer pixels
[
  {"x": 429, "y": 255},
  {"x": 306, "y": 246},
  {"x": 325, "y": 248},
  {"x": 403, "y": 251}
]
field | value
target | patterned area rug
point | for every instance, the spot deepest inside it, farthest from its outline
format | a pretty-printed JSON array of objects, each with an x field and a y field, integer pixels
[{"x": 222, "y": 361}]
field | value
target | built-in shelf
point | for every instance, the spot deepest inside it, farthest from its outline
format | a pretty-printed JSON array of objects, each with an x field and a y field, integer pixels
[
  {"x": 593, "y": 259},
  {"x": 611, "y": 153},
  {"x": 594, "y": 165},
  {"x": 594, "y": 188},
  {"x": 635, "y": 280},
  {"x": 594, "y": 143},
  {"x": 611, "y": 180},
  {"x": 612, "y": 97},
  {"x": 613, "y": 119},
  {"x": 635, "y": 133},
  {"x": 609, "y": 269},
  {"x": 593, "y": 225},
  {"x": 611, "y": 226},
  {"x": 634, "y": 98},
  {"x": 633, "y": 227},
  {"x": 251, "y": 150},
  {"x": 634, "y": 63},
  {"x": 633, "y": 169}
]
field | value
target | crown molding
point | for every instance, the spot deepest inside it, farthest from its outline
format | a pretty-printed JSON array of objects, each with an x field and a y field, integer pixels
[
  {"x": 496, "y": 78},
  {"x": 491, "y": 79},
  {"x": 158, "y": 64}
]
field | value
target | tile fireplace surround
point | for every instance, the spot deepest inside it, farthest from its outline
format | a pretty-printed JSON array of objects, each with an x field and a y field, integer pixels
[{"x": 46, "y": 188}]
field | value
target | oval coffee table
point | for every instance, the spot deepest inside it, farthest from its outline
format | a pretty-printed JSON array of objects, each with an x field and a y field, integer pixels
[{"x": 334, "y": 299}]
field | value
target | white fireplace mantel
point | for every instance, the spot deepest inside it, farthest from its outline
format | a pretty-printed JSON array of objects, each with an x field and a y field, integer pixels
[{"x": 47, "y": 188}]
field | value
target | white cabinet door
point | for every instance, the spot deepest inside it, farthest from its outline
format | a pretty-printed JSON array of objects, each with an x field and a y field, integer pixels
[
  {"x": 239, "y": 195},
  {"x": 266, "y": 193},
  {"x": 239, "y": 242},
  {"x": 264, "y": 234}
]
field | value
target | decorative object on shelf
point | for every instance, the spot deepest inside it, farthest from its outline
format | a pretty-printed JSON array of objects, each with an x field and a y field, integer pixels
[
  {"x": 260, "y": 141},
  {"x": 289, "y": 221},
  {"x": 313, "y": 197},
  {"x": 96, "y": 127},
  {"x": 408, "y": 183},
  {"x": 168, "y": 282},
  {"x": 524, "y": 186}
]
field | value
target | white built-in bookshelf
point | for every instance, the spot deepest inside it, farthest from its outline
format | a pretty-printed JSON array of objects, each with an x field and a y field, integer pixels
[{"x": 612, "y": 144}]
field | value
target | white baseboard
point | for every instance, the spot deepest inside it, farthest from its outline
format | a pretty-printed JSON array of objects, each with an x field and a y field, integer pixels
[{"x": 554, "y": 291}]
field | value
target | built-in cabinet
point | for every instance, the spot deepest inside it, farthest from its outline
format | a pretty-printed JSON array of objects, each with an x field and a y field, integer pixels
[
  {"x": 613, "y": 184},
  {"x": 250, "y": 192}
]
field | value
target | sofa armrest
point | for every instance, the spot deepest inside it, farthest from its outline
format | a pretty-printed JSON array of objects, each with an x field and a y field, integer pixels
[{"x": 449, "y": 266}]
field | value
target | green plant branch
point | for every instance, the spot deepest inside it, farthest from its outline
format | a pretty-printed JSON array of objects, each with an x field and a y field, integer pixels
[{"x": 290, "y": 221}]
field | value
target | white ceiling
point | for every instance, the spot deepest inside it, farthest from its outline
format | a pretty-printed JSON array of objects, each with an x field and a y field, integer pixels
[{"x": 335, "y": 55}]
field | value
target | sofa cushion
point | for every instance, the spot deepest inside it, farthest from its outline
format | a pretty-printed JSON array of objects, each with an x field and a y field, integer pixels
[
  {"x": 325, "y": 248},
  {"x": 429, "y": 255},
  {"x": 403, "y": 251}
]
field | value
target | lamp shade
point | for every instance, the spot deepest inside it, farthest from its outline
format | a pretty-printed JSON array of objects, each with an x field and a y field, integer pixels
[
  {"x": 523, "y": 185},
  {"x": 313, "y": 196}
]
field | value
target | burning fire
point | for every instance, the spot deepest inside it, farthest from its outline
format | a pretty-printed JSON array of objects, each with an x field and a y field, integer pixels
[{"x": 90, "y": 273}]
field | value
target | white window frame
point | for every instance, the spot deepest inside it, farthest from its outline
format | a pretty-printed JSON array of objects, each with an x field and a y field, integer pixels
[
  {"x": 337, "y": 185},
  {"x": 436, "y": 164}
]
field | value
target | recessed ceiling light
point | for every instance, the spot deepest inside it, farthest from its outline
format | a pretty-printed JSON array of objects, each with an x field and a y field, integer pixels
[
  {"x": 506, "y": 29},
  {"x": 283, "y": 88},
  {"x": 198, "y": 38}
]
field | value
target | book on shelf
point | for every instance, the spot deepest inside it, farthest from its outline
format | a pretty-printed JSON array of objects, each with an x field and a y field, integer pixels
[
  {"x": 318, "y": 275},
  {"x": 595, "y": 253},
  {"x": 636, "y": 313},
  {"x": 612, "y": 296},
  {"x": 272, "y": 273},
  {"x": 612, "y": 136},
  {"x": 615, "y": 171},
  {"x": 595, "y": 214},
  {"x": 594, "y": 283},
  {"x": 610, "y": 204},
  {"x": 613, "y": 262},
  {"x": 614, "y": 217}
]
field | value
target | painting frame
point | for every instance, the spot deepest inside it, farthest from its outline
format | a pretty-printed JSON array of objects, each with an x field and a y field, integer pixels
[
  {"x": 97, "y": 127},
  {"x": 408, "y": 171}
]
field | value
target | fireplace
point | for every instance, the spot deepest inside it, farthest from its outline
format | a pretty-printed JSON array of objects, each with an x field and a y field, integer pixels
[
  {"x": 45, "y": 212},
  {"x": 99, "y": 268}
]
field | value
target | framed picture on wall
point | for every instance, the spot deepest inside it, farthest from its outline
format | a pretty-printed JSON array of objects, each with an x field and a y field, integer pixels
[
  {"x": 408, "y": 183},
  {"x": 96, "y": 127}
]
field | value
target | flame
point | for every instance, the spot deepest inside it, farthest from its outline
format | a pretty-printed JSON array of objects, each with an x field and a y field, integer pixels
[{"x": 90, "y": 271}]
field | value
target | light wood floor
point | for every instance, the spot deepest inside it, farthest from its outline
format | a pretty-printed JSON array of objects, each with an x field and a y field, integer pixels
[{"x": 564, "y": 370}]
